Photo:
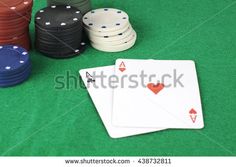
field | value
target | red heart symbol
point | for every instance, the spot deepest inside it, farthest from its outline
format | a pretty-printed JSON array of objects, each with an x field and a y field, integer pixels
[
  {"x": 192, "y": 111},
  {"x": 155, "y": 88},
  {"x": 193, "y": 115}
]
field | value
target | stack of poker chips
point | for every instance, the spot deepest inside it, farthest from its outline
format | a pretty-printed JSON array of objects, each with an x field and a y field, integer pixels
[
  {"x": 109, "y": 30},
  {"x": 83, "y": 5},
  {"x": 15, "y": 65},
  {"x": 58, "y": 31},
  {"x": 15, "y": 16}
]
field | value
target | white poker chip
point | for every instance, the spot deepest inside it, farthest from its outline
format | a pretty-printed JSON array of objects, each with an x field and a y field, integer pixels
[
  {"x": 116, "y": 48},
  {"x": 105, "y": 19},
  {"x": 109, "y": 33},
  {"x": 111, "y": 38},
  {"x": 109, "y": 30},
  {"x": 117, "y": 42}
]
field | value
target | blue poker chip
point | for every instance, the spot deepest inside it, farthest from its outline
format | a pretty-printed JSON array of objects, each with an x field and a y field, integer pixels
[
  {"x": 13, "y": 59},
  {"x": 16, "y": 72},
  {"x": 15, "y": 82},
  {"x": 15, "y": 65},
  {"x": 19, "y": 78},
  {"x": 15, "y": 76}
]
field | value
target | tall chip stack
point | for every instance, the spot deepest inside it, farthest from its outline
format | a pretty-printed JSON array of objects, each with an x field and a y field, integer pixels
[
  {"x": 15, "y": 16},
  {"x": 83, "y": 5},
  {"x": 58, "y": 31}
]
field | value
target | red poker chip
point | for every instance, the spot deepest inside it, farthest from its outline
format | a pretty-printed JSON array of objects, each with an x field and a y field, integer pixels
[
  {"x": 10, "y": 37},
  {"x": 14, "y": 7},
  {"x": 11, "y": 33},
  {"x": 24, "y": 18},
  {"x": 16, "y": 16},
  {"x": 10, "y": 28},
  {"x": 16, "y": 24},
  {"x": 22, "y": 40},
  {"x": 13, "y": 25},
  {"x": 16, "y": 38}
]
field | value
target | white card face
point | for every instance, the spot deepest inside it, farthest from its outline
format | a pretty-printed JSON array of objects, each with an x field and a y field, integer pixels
[
  {"x": 101, "y": 92},
  {"x": 173, "y": 103}
]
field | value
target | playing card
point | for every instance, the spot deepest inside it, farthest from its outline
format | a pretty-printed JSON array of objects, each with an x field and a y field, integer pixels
[
  {"x": 99, "y": 83},
  {"x": 154, "y": 93}
]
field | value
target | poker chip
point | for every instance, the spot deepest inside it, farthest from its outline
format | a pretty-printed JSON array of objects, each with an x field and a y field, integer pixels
[
  {"x": 14, "y": 7},
  {"x": 83, "y": 5},
  {"x": 59, "y": 31},
  {"x": 126, "y": 38},
  {"x": 15, "y": 16},
  {"x": 120, "y": 36},
  {"x": 109, "y": 33},
  {"x": 109, "y": 30},
  {"x": 15, "y": 65},
  {"x": 106, "y": 19},
  {"x": 63, "y": 53},
  {"x": 122, "y": 46}
]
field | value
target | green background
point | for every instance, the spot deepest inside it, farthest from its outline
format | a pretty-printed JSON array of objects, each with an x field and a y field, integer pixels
[{"x": 37, "y": 119}]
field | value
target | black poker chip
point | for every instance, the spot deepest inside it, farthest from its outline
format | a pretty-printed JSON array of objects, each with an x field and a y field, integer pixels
[
  {"x": 62, "y": 29},
  {"x": 59, "y": 31},
  {"x": 58, "y": 17},
  {"x": 62, "y": 47},
  {"x": 58, "y": 37},
  {"x": 63, "y": 54}
]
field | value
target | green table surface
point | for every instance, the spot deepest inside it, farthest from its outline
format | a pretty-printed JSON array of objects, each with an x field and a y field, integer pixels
[{"x": 36, "y": 119}]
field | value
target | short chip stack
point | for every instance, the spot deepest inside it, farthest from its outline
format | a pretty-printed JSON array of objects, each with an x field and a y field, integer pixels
[
  {"x": 15, "y": 65},
  {"x": 83, "y": 5},
  {"x": 109, "y": 30},
  {"x": 15, "y": 16},
  {"x": 58, "y": 31}
]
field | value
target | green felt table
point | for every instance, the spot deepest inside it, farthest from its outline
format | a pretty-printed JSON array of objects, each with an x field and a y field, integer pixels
[{"x": 37, "y": 119}]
